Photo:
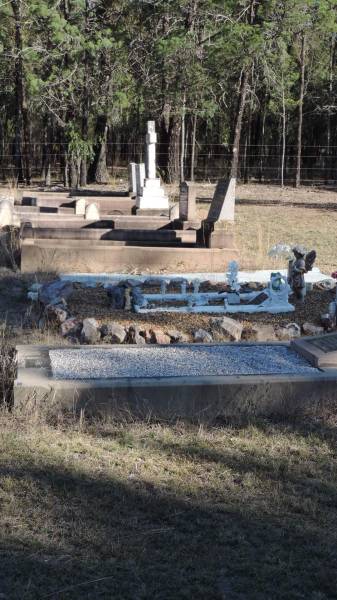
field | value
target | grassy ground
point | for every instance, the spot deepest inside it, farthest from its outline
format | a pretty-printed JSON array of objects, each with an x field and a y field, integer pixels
[
  {"x": 151, "y": 511},
  {"x": 266, "y": 215}
]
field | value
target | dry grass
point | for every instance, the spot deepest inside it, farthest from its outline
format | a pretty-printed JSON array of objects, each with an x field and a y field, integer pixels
[
  {"x": 149, "y": 511},
  {"x": 259, "y": 227},
  {"x": 266, "y": 215}
]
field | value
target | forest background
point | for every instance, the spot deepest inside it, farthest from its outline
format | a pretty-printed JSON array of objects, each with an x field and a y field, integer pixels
[{"x": 240, "y": 87}]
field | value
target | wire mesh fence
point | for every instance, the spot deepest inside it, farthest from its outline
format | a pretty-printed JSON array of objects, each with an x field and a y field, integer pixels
[{"x": 262, "y": 163}]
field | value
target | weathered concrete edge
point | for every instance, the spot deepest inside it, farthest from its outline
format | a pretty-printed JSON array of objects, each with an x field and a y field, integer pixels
[
  {"x": 201, "y": 399},
  {"x": 43, "y": 255}
]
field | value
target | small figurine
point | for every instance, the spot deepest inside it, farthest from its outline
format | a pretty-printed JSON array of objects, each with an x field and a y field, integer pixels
[
  {"x": 298, "y": 266},
  {"x": 279, "y": 289},
  {"x": 232, "y": 276}
]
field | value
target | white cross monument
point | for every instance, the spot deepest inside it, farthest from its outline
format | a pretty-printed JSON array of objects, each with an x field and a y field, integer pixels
[{"x": 152, "y": 195}]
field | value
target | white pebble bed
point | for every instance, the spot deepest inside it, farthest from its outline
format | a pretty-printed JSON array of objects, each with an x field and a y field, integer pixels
[{"x": 176, "y": 361}]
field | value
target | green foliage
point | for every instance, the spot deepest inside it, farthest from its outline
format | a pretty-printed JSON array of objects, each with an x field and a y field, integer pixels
[
  {"x": 129, "y": 60},
  {"x": 77, "y": 146}
]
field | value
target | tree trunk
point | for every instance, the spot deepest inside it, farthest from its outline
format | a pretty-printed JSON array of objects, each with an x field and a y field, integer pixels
[
  {"x": 47, "y": 152},
  {"x": 283, "y": 136},
  {"x": 238, "y": 124},
  {"x": 117, "y": 150},
  {"x": 193, "y": 142},
  {"x": 262, "y": 140},
  {"x": 182, "y": 146},
  {"x": 251, "y": 16},
  {"x": 300, "y": 113},
  {"x": 74, "y": 173},
  {"x": 102, "y": 175},
  {"x": 86, "y": 103},
  {"x": 85, "y": 130},
  {"x": 98, "y": 171},
  {"x": 20, "y": 104},
  {"x": 330, "y": 169},
  {"x": 64, "y": 164},
  {"x": 173, "y": 165}
]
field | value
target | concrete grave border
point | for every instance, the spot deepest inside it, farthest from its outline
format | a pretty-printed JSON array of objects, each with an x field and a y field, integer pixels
[{"x": 198, "y": 399}]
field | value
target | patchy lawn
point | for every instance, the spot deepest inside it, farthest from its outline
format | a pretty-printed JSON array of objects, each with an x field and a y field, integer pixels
[
  {"x": 150, "y": 511},
  {"x": 266, "y": 215}
]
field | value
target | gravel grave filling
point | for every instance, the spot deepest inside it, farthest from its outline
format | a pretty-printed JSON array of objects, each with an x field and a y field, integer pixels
[{"x": 176, "y": 361}]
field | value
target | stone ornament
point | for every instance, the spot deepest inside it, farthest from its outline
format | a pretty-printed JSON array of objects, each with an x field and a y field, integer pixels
[{"x": 299, "y": 265}]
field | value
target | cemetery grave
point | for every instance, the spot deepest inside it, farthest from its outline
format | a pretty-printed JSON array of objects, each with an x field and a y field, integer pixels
[
  {"x": 198, "y": 382},
  {"x": 134, "y": 229},
  {"x": 233, "y": 298},
  {"x": 87, "y": 311},
  {"x": 190, "y": 294}
]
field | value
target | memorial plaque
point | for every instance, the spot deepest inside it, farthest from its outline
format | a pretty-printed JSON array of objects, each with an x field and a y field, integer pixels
[
  {"x": 187, "y": 201},
  {"x": 321, "y": 351},
  {"x": 325, "y": 343}
]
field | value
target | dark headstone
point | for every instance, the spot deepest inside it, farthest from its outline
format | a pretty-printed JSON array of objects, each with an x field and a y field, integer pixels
[
  {"x": 187, "y": 201},
  {"x": 218, "y": 200}
]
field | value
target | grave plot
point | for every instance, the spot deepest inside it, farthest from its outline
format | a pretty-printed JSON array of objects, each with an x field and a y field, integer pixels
[
  {"x": 136, "y": 229},
  {"x": 234, "y": 298},
  {"x": 69, "y": 307},
  {"x": 194, "y": 382}
]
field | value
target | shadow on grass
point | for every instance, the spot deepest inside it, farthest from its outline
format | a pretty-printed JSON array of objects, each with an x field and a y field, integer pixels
[
  {"x": 76, "y": 536},
  {"x": 326, "y": 206}
]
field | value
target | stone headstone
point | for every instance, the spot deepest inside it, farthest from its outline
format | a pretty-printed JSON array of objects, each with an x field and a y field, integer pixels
[
  {"x": 151, "y": 140},
  {"x": 80, "y": 204},
  {"x": 8, "y": 217},
  {"x": 223, "y": 202},
  {"x": 187, "y": 201},
  {"x": 233, "y": 276},
  {"x": 140, "y": 178},
  {"x": 92, "y": 212},
  {"x": 132, "y": 178},
  {"x": 150, "y": 193}
]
